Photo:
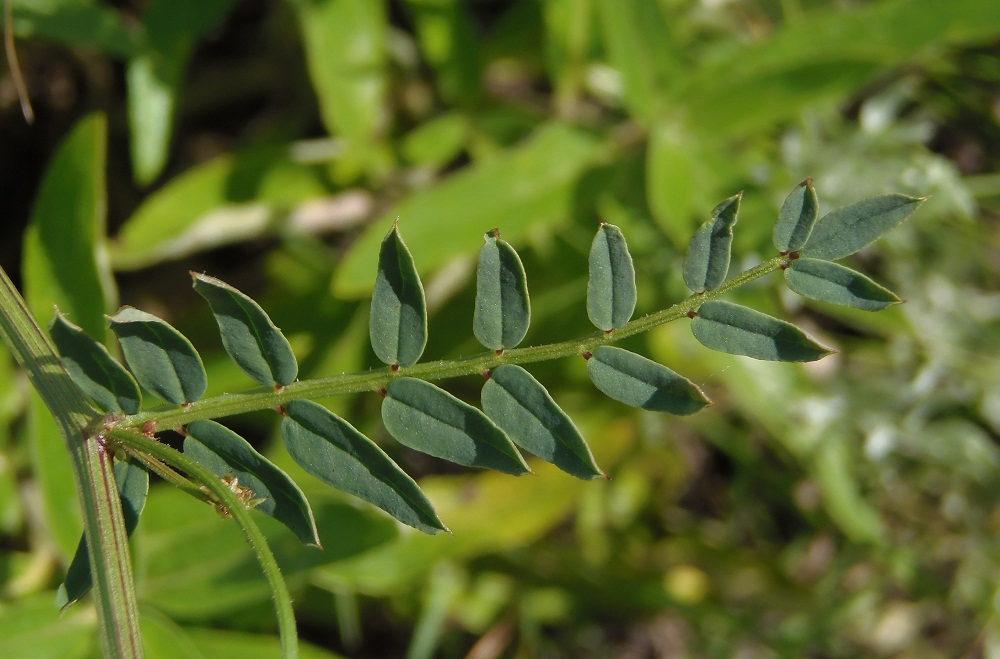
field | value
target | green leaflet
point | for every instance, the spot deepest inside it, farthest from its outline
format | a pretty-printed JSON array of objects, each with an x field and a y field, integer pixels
[
  {"x": 796, "y": 218},
  {"x": 503, "y": 311},
  {"x": 524, "y": 410},
  {"x": 738, "y": 330},
  {"x": 93, "y": 369},
  {"x": 160, "y": 357},
  {"x": 707, "y": 260},
  {"x": 133, "y": 484},
  {"x": 844, "y": 231},
  {"x": 249, "y": 336},
  {"x": 331, "y": 449},
  {"x": 398, "y": 323},
  {"x": 225, "y": 454},
  {"x": 634, "y": 380},
  {"x": 611, "y": 293},
  {"x": 832, "y": 282},
  {"x": 432, "y": 421}
]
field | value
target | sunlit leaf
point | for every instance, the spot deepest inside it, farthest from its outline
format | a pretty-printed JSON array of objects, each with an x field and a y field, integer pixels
[
  {"x": 449, "y": 39},
  {"x": 611, "y": 292},
  {"x": 634, "y": 380},
  {"x": 133, "y": 485},
  {"x": 331, "y": 449},
  {"x": 398, "y": 321},
  {"x": 249, "y": 336},
  {"x": 523, "y": 409},
  {"x": 834, "y": 283},
  {"x": 502, "y": 311},
  {"x": 739, "y": 330},
  {"x": 844, "y": 231},
  {"x": 91, "y": 25},
  {"x": 160, "y": 357},
  {"x": 63, "y": 246},
  {"x": 227, "y": 455},
  {"x": 93, "y": 369},
  {"x": 172, "y": 28},
  {"x": 707, "y": 261},
  {"x": 430, "y": 420},
  {"x": 796, "y": 218}
]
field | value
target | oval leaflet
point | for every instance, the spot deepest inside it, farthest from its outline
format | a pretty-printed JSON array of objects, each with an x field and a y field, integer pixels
[
  {"x": 248, "y": 335},
  {"x": 706, "y": 263},
  {"x": 333, "y": 451},
  {"x": 93, "y": 369},
  {"x": 611, "y": 292},
  {"x": 503, "y": 312},
  {"x": 796, "y": 218},
  {"x": 831, "y": 282},
  {"x": 739, "y": 330},
  {"x": 229, "y": 456},
  {"x": 398, "y": 322},
  {"x": 634, "y": 380},
  {"x": 523, "y": 409},
  {"x": 430, "y": 420},
  {"x": 160, "y": 357}
]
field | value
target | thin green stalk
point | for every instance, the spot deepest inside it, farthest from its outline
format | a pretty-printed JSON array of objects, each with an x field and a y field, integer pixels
[
  {"x": 261, "y": 398},
  {"x": 81, "y": 427},
  {"x": 145, "y": 448}
]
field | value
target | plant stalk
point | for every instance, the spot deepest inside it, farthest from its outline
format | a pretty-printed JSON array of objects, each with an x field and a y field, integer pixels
[
  {"x": 82, "y": 428},
  {"x": 168, "y": 418}
]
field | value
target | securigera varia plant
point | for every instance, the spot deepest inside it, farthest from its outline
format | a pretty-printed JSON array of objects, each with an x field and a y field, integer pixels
[{"x": 517, "y": 414}]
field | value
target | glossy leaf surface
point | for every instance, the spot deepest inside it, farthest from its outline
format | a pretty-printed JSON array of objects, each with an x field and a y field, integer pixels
[
  {"x": 503, "y": 311},
  {"x": 706, "y": 263},
  {"x": 333, "y": 451},
  {"x": 738, "y": 330},
  {"x": 249, "y": 336},
  {"x": 796, "y": 218},
  {"x": 432, "y": 421},
  {"x": 611, "y": 293},
  {"x": 634, "y": 380},
  {"x": 523, "y": 409},
  {"x": 834, "y": 283},
  {"x": 844, "y": 231},
  {"x": 226, "y": 454},
  {"x": 160, "y": 357},
  {"x": 133, "y": 486},
  {"x": 93, "y": 369},
  {"x": 398, "y": 321}
]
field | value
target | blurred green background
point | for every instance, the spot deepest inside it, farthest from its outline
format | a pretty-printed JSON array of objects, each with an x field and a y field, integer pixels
[{"x": 837, "y": 509}]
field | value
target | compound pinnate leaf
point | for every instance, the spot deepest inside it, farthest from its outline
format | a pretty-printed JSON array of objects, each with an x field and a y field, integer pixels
[
  {"x": 611, "y": 293},
  {"x": 707, "y": 261},
  {"x": 93, "y": 369},
  {"x": 844, "y": 231},
  {"x": 634, "y": 380},
  {"x": 160, "y": 357},
  {"x": 796, "y": 218},
  {"x": 398, "y": 322},
  {"x": 333, "y": 451},
  {"x": 227, "y": 455},
  {"x": 834, "y": 283},
  {"x": 249, "y": 336},
  {"x": 133, "y": 486},
  {"x": 524, "y": 410},
  {"x": 738, "y": 330},
  {"x": 432, "y": 421},
  {"x": 502, "y": 310}
]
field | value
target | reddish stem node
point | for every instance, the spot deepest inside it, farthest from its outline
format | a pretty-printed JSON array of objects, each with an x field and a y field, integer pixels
[
  {"x": 383, "y": 393},
  {"x": 394, "y": 368},
  {"x": 486, "y": 374},
  {"x": 499, "y": 352},
  {"x": 280, "y": 409},
  {"x": 587, "y": 354},
  {"x": 691, "y": 314}
]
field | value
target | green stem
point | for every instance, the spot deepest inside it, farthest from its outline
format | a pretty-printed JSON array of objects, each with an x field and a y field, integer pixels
[
  {"x": 145, "y": 448},
  {"x": 261, "y": 398},
  {"x": 81, "y": 427}
]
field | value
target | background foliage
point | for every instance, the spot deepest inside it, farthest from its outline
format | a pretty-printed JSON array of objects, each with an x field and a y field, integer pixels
[{"x": 841, "y": 508}]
